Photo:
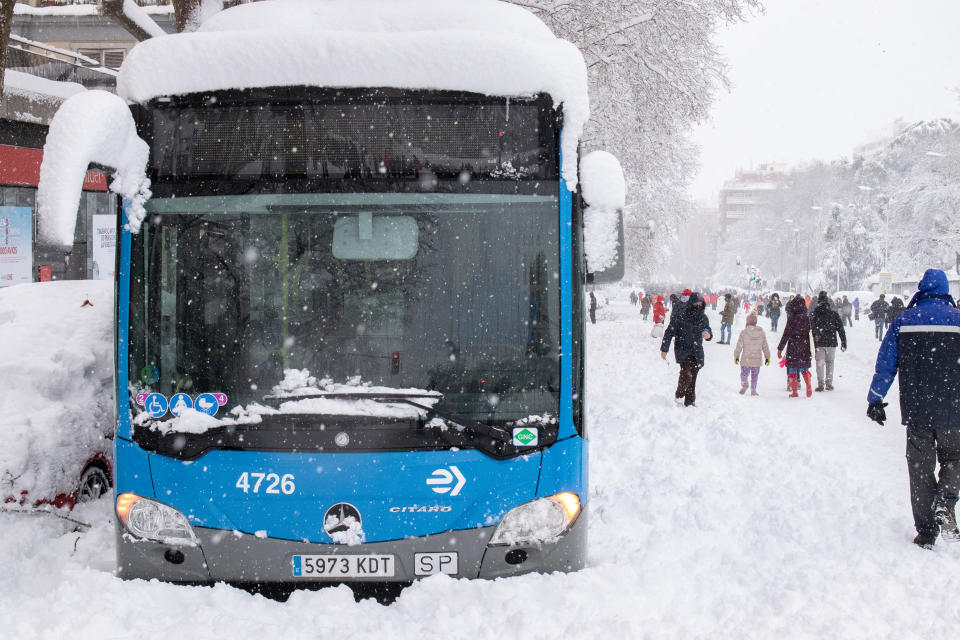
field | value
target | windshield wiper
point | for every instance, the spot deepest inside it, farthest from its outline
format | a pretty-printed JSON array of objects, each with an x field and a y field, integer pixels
[{"x": 476, "y": 428}]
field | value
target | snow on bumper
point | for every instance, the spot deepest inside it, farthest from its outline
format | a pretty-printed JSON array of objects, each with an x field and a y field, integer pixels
[{"x": 233, "y": 557}]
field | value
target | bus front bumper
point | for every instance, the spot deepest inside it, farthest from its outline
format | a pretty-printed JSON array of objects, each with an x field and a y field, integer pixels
[{"x": 226, "y": 556}]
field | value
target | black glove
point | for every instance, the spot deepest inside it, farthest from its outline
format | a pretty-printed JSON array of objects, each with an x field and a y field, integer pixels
[{"x": 876, "y": 413}]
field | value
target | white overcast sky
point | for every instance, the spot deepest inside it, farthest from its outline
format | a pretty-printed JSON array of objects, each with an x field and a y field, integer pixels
[{"x": 814, "y": 78}]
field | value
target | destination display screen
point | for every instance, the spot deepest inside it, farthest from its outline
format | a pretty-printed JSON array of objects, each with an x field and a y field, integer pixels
[{"x": 357, "y": 139}]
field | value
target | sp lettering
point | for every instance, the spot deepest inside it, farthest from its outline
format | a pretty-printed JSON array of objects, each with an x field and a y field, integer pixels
[{"x": 447, "y": 480}]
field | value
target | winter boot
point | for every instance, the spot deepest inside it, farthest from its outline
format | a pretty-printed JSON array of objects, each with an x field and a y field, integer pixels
[
  {"x": 829, "y": 387},
  {"x": 806, "y": 381},
  {"x": 794, "y": 384},
  {"x": 753, "y": 392},
  {"x": 819, "y": 387},
  {"x": 925, "y": 540},
  {"x": 743, "y": 388},
  {"x": 947, "y": 519}
]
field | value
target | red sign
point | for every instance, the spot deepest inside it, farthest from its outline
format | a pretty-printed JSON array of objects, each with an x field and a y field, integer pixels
[{"x": 20, "y": 167}]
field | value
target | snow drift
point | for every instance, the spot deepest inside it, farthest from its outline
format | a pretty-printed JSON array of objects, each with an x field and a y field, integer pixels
[{"x": 56, "y": 405}]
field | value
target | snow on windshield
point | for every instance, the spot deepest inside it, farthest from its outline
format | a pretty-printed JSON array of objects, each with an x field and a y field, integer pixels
[
  {"x": 604, "y": 192},
  {"x": 301, "y": 393},
  {"x": 56, "y": 397},
  {"x": 481, "y": 46},
  {"x": 90, "y": 127}
]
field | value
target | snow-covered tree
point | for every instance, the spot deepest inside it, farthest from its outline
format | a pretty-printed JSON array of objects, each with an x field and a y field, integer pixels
[{"x": 654, "y": 70}]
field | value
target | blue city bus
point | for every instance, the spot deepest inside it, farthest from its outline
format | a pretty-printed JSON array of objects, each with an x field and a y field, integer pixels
[{"x": 350, "y": 340}]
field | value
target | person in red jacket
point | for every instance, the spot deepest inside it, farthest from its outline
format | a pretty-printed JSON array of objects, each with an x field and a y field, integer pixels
[{"x": 659, "y": 311}]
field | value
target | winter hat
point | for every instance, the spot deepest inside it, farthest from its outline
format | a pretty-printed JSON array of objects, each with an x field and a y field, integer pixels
[
  {"x": 823, "y": 297},
  {"x": 686, "y": 292},
  {"x": 751, "y": 319},
  {"x": 685, "y": 295}
]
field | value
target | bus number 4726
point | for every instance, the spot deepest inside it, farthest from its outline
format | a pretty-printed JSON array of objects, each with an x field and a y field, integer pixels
[{"x": 251, "y": 481}]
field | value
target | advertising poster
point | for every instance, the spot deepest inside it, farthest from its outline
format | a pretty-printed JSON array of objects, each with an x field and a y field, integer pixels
[
  {"x": 104, "y": 246},
  {"x": 16, "y": 245}
]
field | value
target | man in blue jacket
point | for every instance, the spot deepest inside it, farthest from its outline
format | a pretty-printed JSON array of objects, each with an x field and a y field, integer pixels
[{"x": 923, "y": 344}]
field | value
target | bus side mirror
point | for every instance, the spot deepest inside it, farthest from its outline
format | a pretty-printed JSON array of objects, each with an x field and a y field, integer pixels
[{"x": 604, "y": 193}]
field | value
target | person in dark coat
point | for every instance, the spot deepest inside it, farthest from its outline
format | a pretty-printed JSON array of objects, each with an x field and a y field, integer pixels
[
  {"x": 923, "y": 346},
  {"x": 688, "y": 329},
  {"x": 827, "y": 324},
  {"x": 796, "y": 339},
  {"x": 846, "y": 311},
  {"x": 645, "y": 306},
  {"x": 675, "y": 305},
  {"x": 726, "y": 318},
  {"x": 633, "y": 298},
  {"x": 593, "y": 308},
  {"x": 896, "y": 307},
  {"x": 773, "y": 310},
  {"x": 878, "y": 313}
]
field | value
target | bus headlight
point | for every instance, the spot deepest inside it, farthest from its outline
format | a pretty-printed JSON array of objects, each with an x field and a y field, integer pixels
[
  {"x": 541, "y": 520},
  {"x": 151, "y": 520}
]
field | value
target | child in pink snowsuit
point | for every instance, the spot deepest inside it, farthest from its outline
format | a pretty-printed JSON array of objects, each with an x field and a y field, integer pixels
[{"x": 751, "y": 351}]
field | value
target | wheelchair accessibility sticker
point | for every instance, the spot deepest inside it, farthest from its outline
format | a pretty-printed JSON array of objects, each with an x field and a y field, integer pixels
[{"x": 156, "y": 404}]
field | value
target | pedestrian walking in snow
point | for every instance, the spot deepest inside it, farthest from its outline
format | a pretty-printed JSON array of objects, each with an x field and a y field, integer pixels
[
  {"x": 751, "y": 351},
  {"x": 645, "y": 306},
  {"x": 827, "y": 325},
  {"x": 659, "y": 311},
  {"x": 878, "y": 313},
  {"x": 726, "y": 318},
  {"x": 896, "y": 308},
  {"x": 688, "y": 329},
  {"x": 773, "y": 310},
  {"x": 633, "y": 298},
  {"x": 846, "y": 312},
  {"x": 593, "y": 308},
  {"x": 856, "y": 308},
  {"x": 796, "y": 339},
  {"x": 923, "y": 345}
]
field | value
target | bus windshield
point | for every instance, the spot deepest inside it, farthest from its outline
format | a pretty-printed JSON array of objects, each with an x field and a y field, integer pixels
[{"x": 455, "y": 293}]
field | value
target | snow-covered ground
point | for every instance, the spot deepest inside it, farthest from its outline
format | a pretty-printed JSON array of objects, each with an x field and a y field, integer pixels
[{"x": 762, "y": 517}]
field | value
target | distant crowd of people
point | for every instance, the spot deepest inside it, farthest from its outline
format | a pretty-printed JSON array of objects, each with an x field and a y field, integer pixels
[{"x": 920, "y": 341}]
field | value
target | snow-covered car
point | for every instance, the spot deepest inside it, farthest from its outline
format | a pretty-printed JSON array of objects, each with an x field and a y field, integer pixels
[{"x": 56, "y": 398}]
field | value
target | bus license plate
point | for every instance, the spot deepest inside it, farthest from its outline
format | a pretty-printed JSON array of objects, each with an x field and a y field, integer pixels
[{"x": 343, "y": 566}]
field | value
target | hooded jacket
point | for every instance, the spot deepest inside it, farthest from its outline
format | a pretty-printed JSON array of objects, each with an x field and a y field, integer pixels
[
  {"x": 923, "y": 345},
  {"x": 796, "y": 335},
  {"x": 752, "y": 347},
  {"x": 686, "y": 327},
  {"x": 659, "y": 311},
  {"x": 827, "y": 324},
  {"x": 729, "y": 310}
]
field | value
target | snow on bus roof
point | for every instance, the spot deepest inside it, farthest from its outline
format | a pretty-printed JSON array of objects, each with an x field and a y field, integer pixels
[{"x": 481, "y": 46}]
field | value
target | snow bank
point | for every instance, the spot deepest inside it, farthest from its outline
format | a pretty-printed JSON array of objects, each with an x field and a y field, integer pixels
[
  {"x": 56, "y": 383},
  {"x": 90, "y": 127},
  {"x": 16, "y": 82},
  {"x": 480, "y": 46},
  {"x": 605, "y": 194}
]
